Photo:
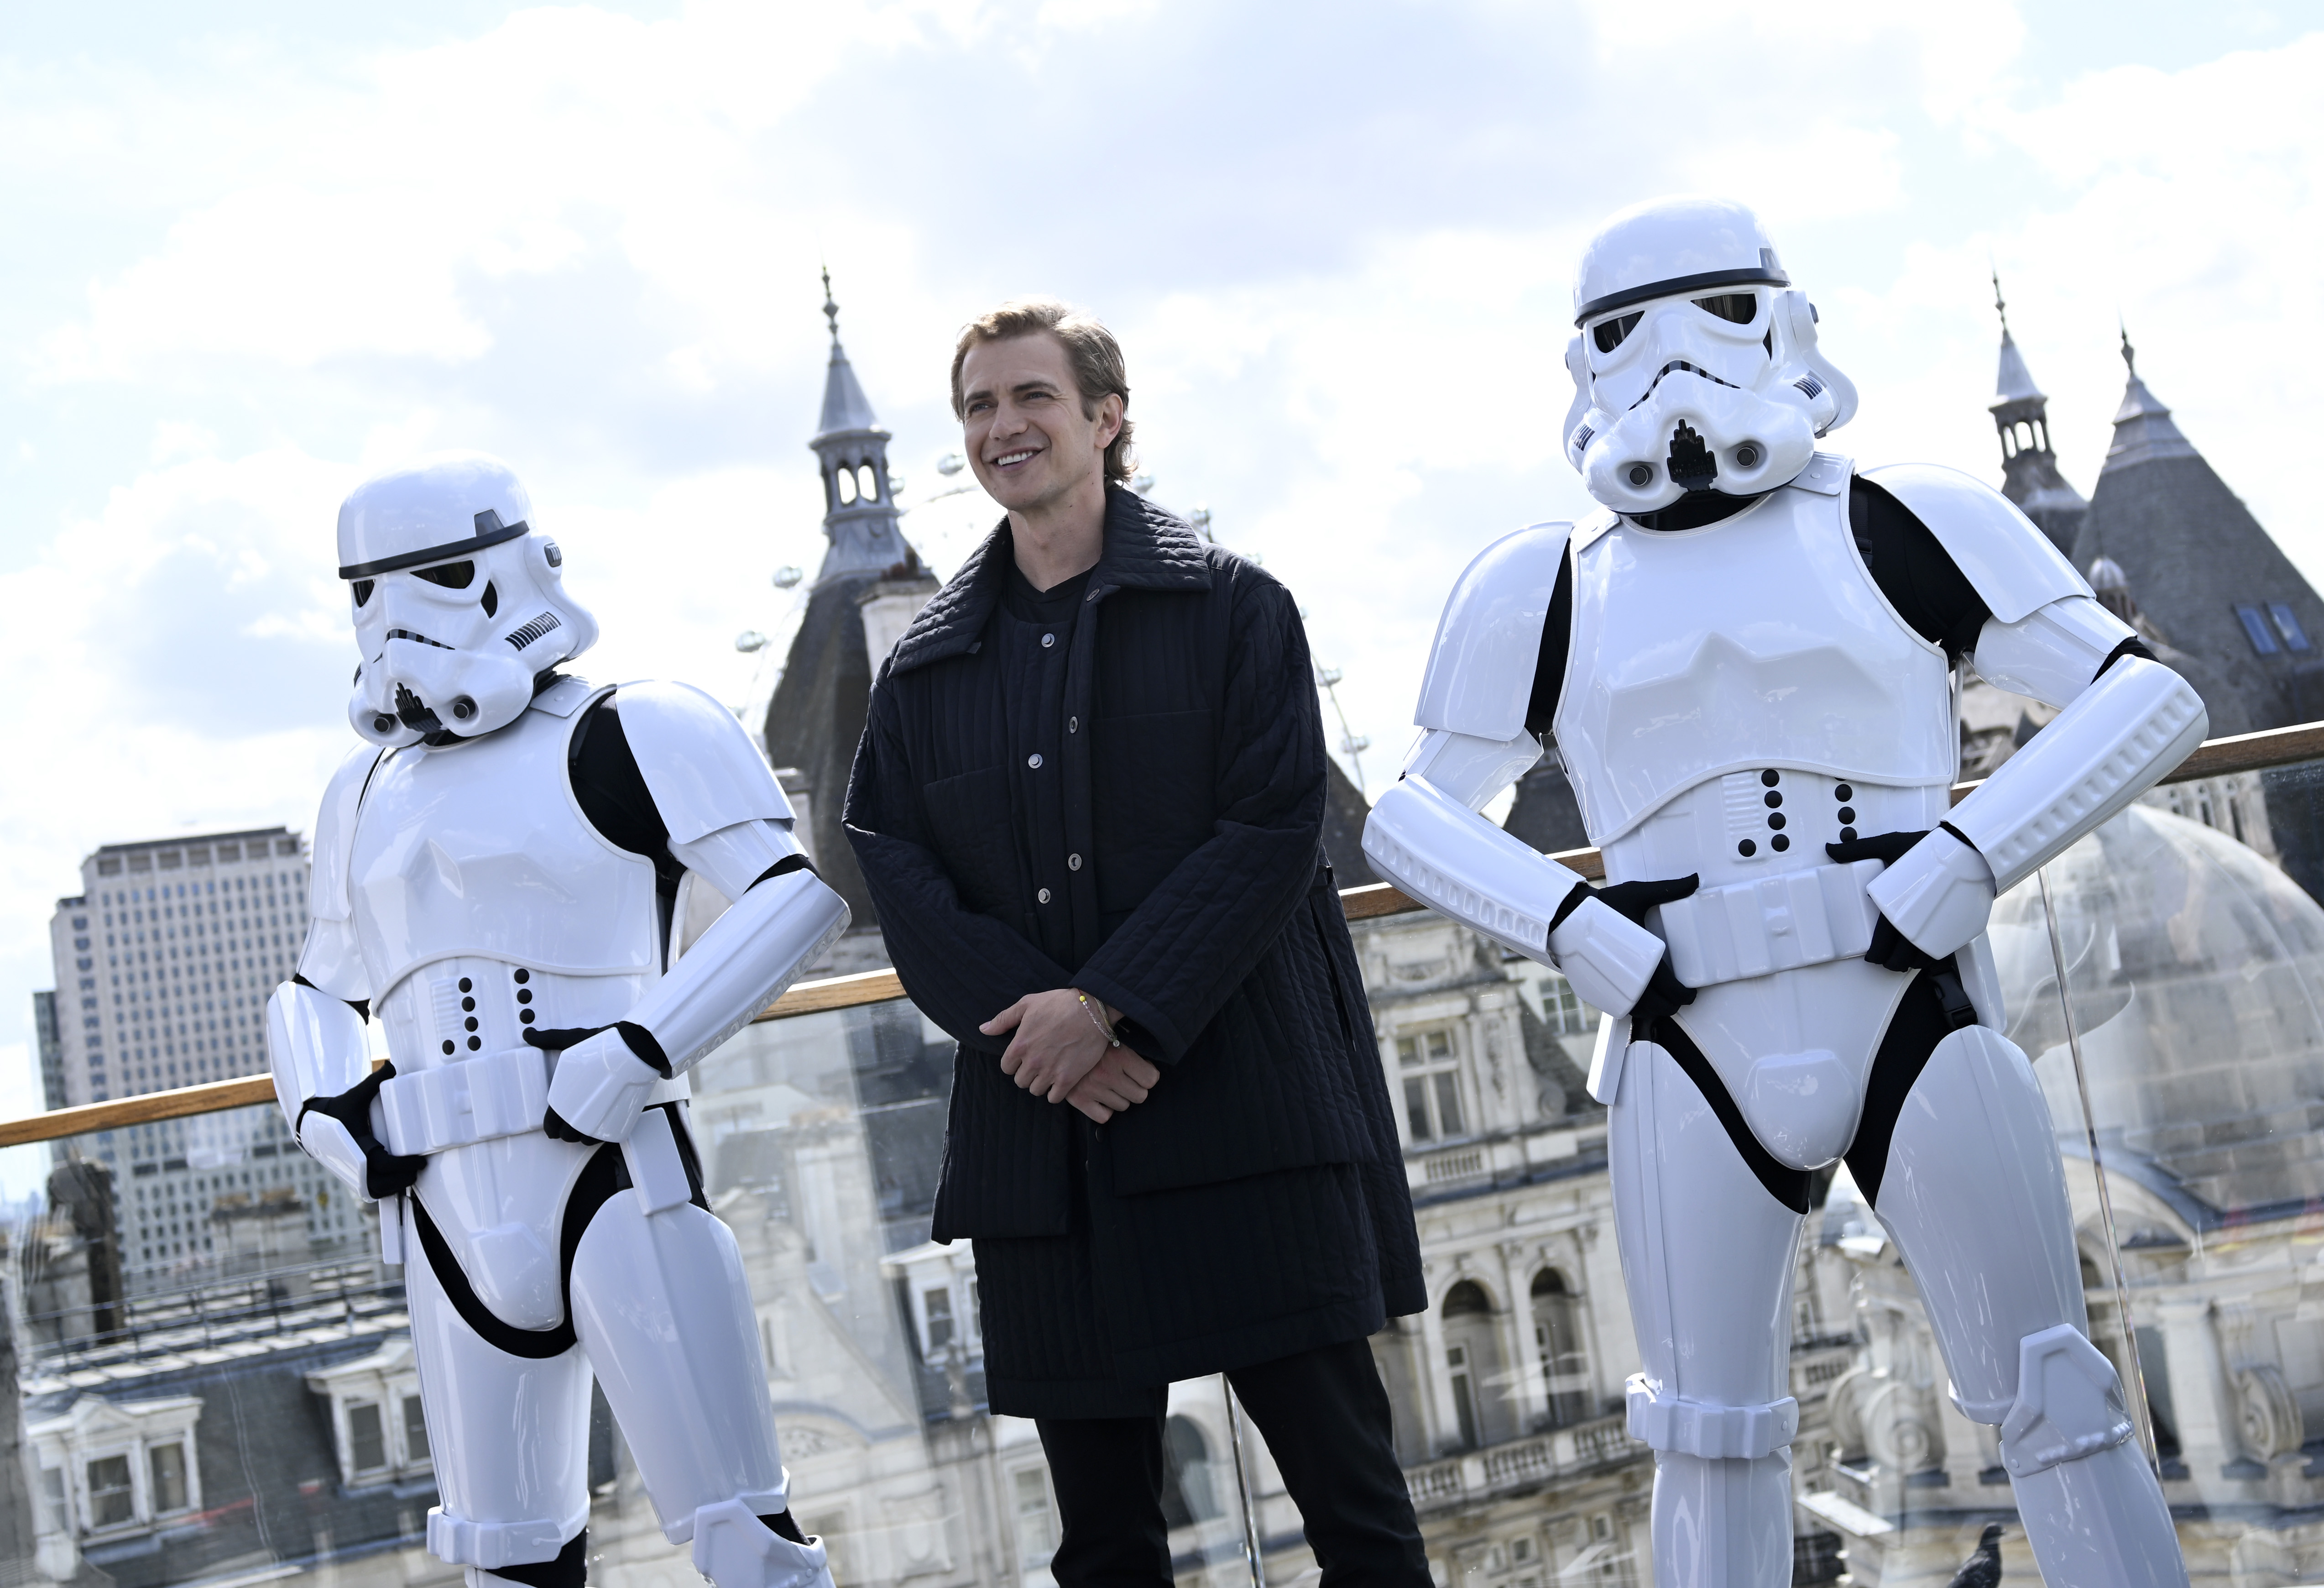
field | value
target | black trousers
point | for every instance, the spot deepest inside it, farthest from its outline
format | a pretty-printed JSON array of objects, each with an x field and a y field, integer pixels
[{"x": 1325, "y": 1418}]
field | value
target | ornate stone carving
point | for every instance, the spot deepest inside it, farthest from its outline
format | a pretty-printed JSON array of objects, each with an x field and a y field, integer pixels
[{"x": 2270, "y": 1419}]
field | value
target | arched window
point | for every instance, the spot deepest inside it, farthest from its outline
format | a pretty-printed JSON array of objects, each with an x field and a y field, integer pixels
[
  {"x": 1557, "y": 1344},
  {"x": 867, "y": 482},
  {"x": 1188, "y": 1495},
  {"x": 1473, "y": 1363},
  {"x": 845, "y": 480}
]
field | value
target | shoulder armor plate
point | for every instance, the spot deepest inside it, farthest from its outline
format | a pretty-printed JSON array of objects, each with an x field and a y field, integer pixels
[
  {"x": 2010, "y": 564},
  {"x": 1489, "y": 642},
  {"x": 698, "y": 762}
]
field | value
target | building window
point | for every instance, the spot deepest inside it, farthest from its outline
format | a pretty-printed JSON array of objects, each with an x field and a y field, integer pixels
[
  {"x": 1473, "y": 1366},
  {"x": 1188, "y": 1495},
  {"x": 168, "y": 1465},
  {"x": 366, "y": 1438},
  {"x": 1464, "y": 1394},
  {"x": 2255, "y": 630},
  {"x": 112, "y": 1499},
  {"x": 376, "y": 1420},
  {"x": 108, "y": 1467},
  {"x": 2295, "y": 638},
  {"x": 52, "y": 1489},
  {"x": 937, "y": 1305},
  {"x": 1037, "y": 1522},
  {"x": 1563, "y": 1011},
  {"x": 1432, "y": 1085},
  {"x": 1557, "y": 1343}
]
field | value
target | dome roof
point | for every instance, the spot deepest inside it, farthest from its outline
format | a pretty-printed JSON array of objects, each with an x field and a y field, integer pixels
[{"x": 2197, "y": 971}]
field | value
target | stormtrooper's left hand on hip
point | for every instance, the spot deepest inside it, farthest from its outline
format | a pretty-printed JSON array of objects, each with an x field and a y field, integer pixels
[
  {"x": 1937, "y": 894},
  {"x": 600, "y": 1086}
]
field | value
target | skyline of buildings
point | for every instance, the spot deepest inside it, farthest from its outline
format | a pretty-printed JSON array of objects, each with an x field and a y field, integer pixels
[{"x": 164, "y": 962}]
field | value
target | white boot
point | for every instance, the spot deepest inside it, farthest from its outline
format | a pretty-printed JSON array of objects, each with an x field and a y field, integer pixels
[{"x": 735, "y": 1549}]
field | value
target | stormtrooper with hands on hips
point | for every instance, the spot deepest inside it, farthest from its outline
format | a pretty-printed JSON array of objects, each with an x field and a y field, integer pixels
[
  {"x": 500, "y": 876},
  {"x": 1744, "y": 664}
]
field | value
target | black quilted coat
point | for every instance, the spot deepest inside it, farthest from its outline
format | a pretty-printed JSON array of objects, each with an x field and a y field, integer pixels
[{"x": 1256, "y": 1204}]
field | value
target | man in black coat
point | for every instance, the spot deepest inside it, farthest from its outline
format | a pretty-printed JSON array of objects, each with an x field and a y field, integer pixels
[{"x": 1088, "y": 805}]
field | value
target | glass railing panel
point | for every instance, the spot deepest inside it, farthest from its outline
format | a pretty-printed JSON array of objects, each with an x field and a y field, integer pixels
[
  {"x": 1506, "y": 1392},
  {"x": 2192, "y": 943},
  {"x": 245, "y": 1409},
  {"x": 250, "y": 1328}
]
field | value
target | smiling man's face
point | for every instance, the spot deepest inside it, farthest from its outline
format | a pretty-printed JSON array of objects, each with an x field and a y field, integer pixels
[{"x": 1028, "y": 438}]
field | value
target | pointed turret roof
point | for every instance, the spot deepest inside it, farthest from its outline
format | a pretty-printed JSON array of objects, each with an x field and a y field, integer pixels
[
  {"x": 2143, "y": 429},
  {"x": 816, "y": 715},
  {"x": 845, "y": 409},
  {"x": 2016, "y": 384},
  {"x": 2207, "y": 577},
  {"x": 2029, "y": 469},
  {"x": 860, "y": 517}
]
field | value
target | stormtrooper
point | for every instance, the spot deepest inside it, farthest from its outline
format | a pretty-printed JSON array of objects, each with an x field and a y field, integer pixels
[
  {"x": 499, "y": 876},
  {"x": 1744, "y": 664}
]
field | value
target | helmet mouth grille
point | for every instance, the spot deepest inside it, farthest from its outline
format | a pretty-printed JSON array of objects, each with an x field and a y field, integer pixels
[{"x": 414, "y": 713}]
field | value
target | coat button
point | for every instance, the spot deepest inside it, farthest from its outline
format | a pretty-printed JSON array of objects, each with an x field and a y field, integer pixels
[
  {"x": 1043, "y": 896},
  {"x": 1034, "y": 761},
  {"x": 1047, "y": 641},
  {"x": 1073, "y": 863},
  {"x": 1073, "y": 724}
]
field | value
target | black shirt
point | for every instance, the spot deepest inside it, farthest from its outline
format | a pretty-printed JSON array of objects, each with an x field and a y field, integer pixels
[{"x": 1034, "y": 633}]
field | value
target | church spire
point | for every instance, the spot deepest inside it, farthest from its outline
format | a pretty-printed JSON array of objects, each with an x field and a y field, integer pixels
[
  {"x": 2143, "y": 427},
  {"x": 860, "y": 518},
  {"x": 2029, "y": 469}
]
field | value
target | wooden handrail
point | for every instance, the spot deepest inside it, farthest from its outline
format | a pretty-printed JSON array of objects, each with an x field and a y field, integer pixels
[{"x": 2211, "y": 758}]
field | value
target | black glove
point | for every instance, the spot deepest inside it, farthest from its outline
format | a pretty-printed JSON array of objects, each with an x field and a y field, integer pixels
[
  {"x": 1664, "y": 994},
  {"x": 386, "y": 1174},
  {"x": 1891, "y": 949},
  {"x": 1635, "y": 899},
  {"x": 557, "y": 1039}
]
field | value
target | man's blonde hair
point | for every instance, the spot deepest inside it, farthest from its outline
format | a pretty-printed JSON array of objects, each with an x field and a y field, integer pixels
[{"x": 1092, "y": 354}]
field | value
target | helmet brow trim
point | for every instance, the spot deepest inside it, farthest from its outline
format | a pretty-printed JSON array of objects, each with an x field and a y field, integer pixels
[
  {"x": 1742, "y": 276},
  {"x": 490, "y": 531}
]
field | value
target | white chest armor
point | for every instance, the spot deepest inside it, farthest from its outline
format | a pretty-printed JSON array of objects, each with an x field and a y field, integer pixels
[
  {"x": 481, "y": 851},
  {"x": 1759, "y": 641}
]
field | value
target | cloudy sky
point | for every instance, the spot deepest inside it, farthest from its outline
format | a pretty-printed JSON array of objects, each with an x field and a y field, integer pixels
[{"x": 251, "y": 256}]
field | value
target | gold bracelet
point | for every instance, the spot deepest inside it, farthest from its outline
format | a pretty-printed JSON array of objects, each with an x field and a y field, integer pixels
[{"x": 1103, "y": 1030}]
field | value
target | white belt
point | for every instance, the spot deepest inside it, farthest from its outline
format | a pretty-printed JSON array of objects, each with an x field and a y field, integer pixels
[
  {"x": 1775, "y": 923},
  {"x": 503, "y": 1094}
]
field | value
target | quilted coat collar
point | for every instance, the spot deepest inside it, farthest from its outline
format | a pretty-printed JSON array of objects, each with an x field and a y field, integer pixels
[{"x": 1146, "y": 548}]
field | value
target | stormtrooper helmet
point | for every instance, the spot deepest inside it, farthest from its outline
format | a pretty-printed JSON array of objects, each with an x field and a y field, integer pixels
[
  {"x": 459, "y": 603},
  {"x": 1695, "y": 366}
]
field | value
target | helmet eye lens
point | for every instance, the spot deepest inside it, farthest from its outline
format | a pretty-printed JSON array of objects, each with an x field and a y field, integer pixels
[
  {"x": 1608, "y": 333},
  {"x": 452, "y": 575},
  {"x": 1736, "y": 307},
  {"x": 362, "y": 588}
]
